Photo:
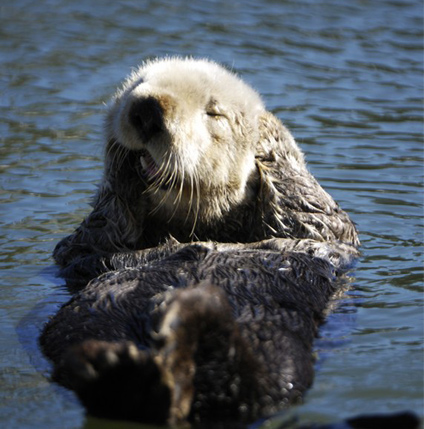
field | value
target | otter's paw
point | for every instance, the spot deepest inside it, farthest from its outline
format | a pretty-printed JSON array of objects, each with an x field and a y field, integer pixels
[
  {"x": 115, "y": 380},
  {"x": 83, "y": 269},
  {"x": 87, "y": 239},
  {"x": 70, "y": 248}
]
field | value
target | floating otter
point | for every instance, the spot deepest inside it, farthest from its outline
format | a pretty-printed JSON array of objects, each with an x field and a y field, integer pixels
[
  {"x": 214, "y": 255},
  {"x": 192, "y": 154}
]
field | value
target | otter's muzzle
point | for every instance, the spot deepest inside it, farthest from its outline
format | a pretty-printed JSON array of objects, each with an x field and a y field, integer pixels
[{"x": 146, "y": 116}]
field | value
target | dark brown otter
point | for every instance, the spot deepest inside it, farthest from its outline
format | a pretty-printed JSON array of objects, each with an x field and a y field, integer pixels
[{"x": 219, "y": 251}]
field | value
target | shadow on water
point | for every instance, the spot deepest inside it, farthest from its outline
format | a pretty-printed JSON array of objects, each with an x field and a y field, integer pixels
[{"x": 30, "y": 326}]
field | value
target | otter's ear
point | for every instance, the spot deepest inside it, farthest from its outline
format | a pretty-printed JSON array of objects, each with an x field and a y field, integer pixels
[{"x": 275, "y": 140}]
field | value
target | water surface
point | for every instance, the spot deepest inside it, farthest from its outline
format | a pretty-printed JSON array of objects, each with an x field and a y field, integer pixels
[{"x": 345, "y": 76}]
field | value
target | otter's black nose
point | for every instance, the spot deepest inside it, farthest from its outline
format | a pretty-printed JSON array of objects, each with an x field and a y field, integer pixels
[{"x": 146, "y": 115}]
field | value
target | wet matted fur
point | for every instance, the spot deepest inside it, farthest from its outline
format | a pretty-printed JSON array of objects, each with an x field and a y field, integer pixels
[
  {"x": 214, "y": 254},
  {"x": 192, "y": 154}
]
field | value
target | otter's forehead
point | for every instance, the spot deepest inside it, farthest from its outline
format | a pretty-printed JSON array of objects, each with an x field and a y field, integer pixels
[{"x": 197, "y": 80}]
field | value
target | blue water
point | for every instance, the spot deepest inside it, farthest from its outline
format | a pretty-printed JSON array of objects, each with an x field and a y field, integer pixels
[{"x": 345, "y": 76}]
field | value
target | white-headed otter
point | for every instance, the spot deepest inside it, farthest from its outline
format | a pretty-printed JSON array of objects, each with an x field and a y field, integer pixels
[
  {"x": 193, "y": 154},
  {"x": 219, "y": 253}
]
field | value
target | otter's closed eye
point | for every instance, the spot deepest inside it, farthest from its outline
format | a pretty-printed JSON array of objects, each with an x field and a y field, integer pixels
[
  {"x": 213, "y": 110},
  {"x": 215, "y": 115}
]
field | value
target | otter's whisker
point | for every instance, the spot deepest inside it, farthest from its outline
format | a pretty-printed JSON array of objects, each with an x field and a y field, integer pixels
[
  {"x": 178, "y": 198},
  {"x": 165, "y": 178},
  {"x": 122, "y": 155},
  {"x": 159, "y": 178},
  {"x": 196, "y": 214},
  {"x": 114, "y": 152},
  {"x": 168, "y": 174},
  {"x": 190, "y": 201}
]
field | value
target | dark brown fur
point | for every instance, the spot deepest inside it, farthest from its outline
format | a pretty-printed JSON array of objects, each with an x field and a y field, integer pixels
[
  {"x": 228, "y": 333},
  {"x": 212, "y": 268}
]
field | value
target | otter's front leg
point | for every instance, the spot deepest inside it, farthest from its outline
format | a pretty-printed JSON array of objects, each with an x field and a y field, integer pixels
[
  {"x": 84, "y": 268},
  {"x": 114, "y": 225},
  {"x": 341, "y": 255},
  {"x": 119, "y": 209}
]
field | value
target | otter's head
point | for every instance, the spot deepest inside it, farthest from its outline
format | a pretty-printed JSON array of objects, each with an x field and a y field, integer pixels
[{"x": 193, "y": 127}]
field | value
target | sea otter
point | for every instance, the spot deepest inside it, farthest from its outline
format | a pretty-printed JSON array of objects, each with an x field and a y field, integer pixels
[
  {"x": 193, "y": 154},
  {"x": 214, "y": 254}
]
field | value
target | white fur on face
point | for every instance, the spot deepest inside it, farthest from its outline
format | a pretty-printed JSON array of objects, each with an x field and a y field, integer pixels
[{"x": 210, "y": 121}]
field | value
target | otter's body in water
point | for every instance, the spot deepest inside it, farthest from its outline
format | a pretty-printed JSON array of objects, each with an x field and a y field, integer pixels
[{"x": 214, "y": 255}]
